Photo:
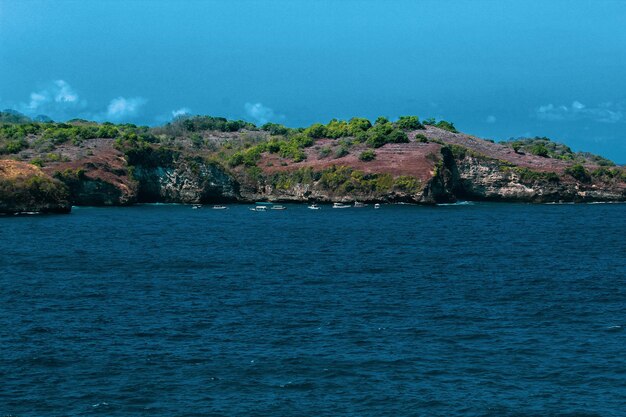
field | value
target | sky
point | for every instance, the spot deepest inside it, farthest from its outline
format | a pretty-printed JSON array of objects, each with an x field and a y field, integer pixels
[{"x": 496, "y": 69}]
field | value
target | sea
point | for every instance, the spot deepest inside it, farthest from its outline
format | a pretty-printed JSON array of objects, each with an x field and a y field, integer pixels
[{"x": 474, "y": 309}]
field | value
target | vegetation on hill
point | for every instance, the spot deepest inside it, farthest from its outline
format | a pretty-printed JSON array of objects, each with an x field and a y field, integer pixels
[
  {"x": 24, "y": 187},
  {"x": 542, "y": 146},
  {"x": 442, "y": 124},
  {"x": 239, "y": 145}
]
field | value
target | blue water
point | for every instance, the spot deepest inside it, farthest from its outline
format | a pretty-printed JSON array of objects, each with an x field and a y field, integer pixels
[{"x": 472, "y": 310}]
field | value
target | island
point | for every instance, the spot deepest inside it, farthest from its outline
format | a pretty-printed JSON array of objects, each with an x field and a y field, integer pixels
[{"x": 48, "y": 167}]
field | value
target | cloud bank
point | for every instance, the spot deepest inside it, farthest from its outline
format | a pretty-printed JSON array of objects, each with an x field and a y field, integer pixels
[
  {"x": 58, "y": 97},
  {"x": 60, "y": 101},
  {"x": 261, "y": 114},
  {"x": 183, "y": 111},
  {"x": 122, "y": 108},
  {"x": 604, "y": 113}
]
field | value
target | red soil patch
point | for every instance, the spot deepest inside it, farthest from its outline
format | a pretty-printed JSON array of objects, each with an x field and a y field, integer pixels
[
  {"x": 410, "y": 159},
  {"x": 105, "y": 163}
]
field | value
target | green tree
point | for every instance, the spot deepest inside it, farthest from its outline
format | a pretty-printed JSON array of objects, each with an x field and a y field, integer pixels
[
  {"x": 409, "y": 123},
  {"x": 316, "y": 131}
]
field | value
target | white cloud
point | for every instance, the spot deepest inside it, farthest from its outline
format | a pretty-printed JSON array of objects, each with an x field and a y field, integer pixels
[
  {"x": 37, "y": 100},
  {"x": 181, "y": 112},
  {"x": 604, "y": 112},
  {"x": 64, "y": 93},
  {"x": 260, "y": 113},
  {"x": 491, "y": 119},
  {"x": 121, "y": 107},
  {"x": 57, "y": 99}
]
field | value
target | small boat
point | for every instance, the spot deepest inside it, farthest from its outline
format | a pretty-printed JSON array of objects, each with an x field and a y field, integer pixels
[
  {"x": 314, "y": 207},
  {"x": 220, "y": 208},
  {"x": 196, "y": 206},
  {"x": 278, "y": 207},
  {"x": 340, "y": 206},
  {"x": 258, "y": 208},
  {"x": 357, "y": 204},
  {"x": 376, "y": 206}
]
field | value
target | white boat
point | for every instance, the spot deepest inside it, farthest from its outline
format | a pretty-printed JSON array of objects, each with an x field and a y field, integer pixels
[
  {"x": 357, "y": 204},
  {"x": 196, "y": 206},
  {"x": 258, "y": 208},
  {"x": 376, "y": 206},
  {"x": 278, "y": 207},
  {"x": 340, "y": 206},
  {"x": 314, "y": 207},
  {"x": 220, "y": 208}
]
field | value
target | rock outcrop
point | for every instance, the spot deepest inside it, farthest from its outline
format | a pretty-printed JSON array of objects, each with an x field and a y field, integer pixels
[
  {"x": 490, "y": 180},
  {"x": 24, "y": 188},
  {"x": 184, "y": 180}
]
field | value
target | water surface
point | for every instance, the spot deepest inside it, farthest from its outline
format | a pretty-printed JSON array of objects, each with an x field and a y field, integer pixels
[{"x": 474, "y": 310}]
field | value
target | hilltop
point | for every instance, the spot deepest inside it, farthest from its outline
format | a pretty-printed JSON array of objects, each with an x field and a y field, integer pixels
[{"x": 203, "y": 159}]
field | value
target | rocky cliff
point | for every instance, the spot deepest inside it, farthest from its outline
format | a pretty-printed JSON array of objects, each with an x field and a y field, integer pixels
[
  {"x": 208, "y": 160},
  {"x": 185, "y": 180}
]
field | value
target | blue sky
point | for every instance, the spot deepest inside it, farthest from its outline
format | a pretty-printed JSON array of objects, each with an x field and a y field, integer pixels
[{"x": 497, "y": 69}]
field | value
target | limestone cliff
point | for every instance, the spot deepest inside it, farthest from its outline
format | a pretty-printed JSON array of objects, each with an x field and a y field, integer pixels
[{"x": 184, "y": 180}]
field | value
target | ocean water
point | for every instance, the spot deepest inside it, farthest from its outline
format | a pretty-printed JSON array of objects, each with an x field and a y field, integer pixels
[{"x": 468, "y": 310}]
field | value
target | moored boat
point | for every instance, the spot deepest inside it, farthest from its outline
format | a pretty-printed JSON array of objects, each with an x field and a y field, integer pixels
[
  {"x": 357, "y": 204},
  {"x": 340, "y": 206},
  {"x": 314, "y": 207},
  {"x": 219, "y": 207}
]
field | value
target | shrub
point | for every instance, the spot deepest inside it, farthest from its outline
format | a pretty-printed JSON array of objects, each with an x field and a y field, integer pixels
[
  {"x": 324, "y": 152},
  {"x": 383, "y": 133},
  {"x": 316, "y": 131},
  {"x": 368, "y": 155},
  {"x": 442, "y": 124},
  {"x": 236, "y": 159},
  {"x": 107, "y": 131},
  {"x": 341, "y": 152},
  {"x": 528, "y": 175},
  {"x": 376, "y": 139},
  {"x": 275, "y": 129},
  {"x": 407, "y": 184},
  {"x": 337, "y": 129},
  {"x": 579, "y": 173},
  {"x": 539, "y": 150},
  {"x": 358, "y": 126},
  {"x": 609, "y": 173},
  {"x": 381, "y": 120},
  {"x": 421, "y": 138},
  {"x": 14, "y": 146},
  {"x": 397, "y": 136},
  {"x": 409, "y": 123}
]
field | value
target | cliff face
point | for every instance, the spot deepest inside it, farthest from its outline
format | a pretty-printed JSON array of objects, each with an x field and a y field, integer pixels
[
  {"x": 481, "y": 179},
  {"x": 183, "y": 180},
  {"x": 25, "y": 188}
]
